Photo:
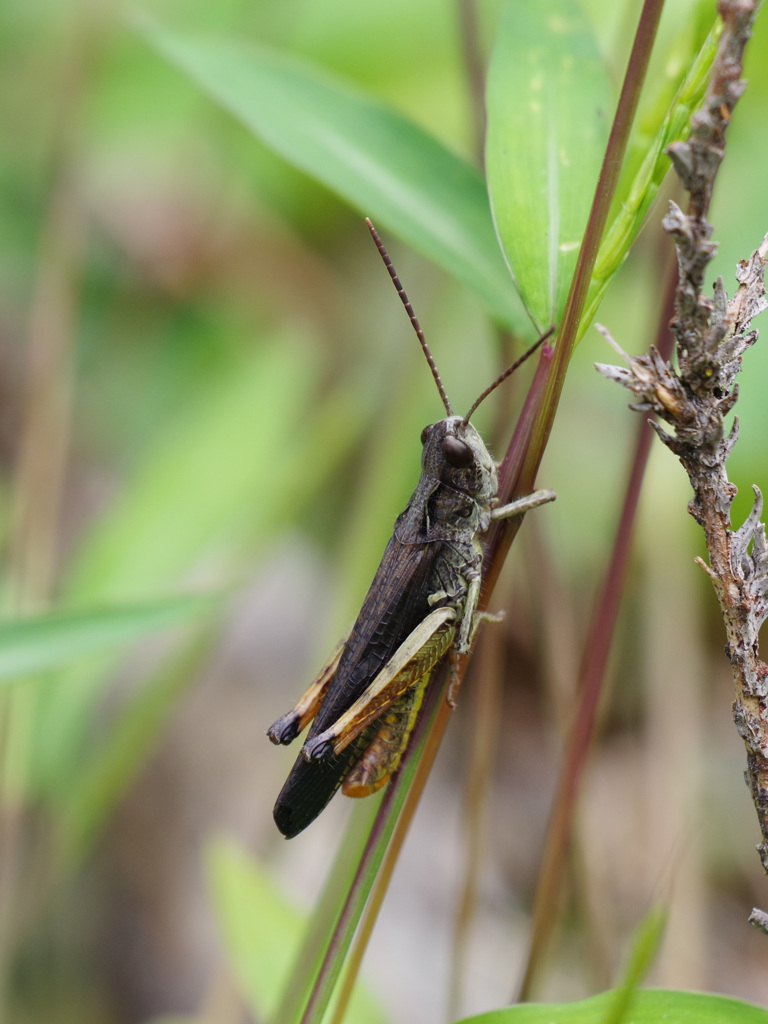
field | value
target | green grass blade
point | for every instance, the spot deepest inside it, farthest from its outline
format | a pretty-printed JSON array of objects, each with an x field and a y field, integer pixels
[
  {"x": 262, "y": 932},
  {"x": 323, "y": 923},
  {"x": 645, "y": 946},
  {"x": 548, "y": 100},
  {"x": 29, "y": 647},
  {"x": 330, "y": 955},
  {"x": 374, "y": 158}
]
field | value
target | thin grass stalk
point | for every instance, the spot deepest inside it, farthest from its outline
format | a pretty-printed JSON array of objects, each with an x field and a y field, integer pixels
[
  {"x": 419, "y": 764},
  {"x": 590, "y": 688},
  {"x": 324, "y": 920},
  {"x": 378, "y": 859},
  {"x": 484, "y": 743}
]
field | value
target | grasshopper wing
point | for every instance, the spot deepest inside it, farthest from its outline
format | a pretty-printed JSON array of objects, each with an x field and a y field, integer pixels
[{"x": 394, "y": 606}]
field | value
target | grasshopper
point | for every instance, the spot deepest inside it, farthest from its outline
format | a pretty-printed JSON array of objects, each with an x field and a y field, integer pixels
[{"x": 421, "y": 605}]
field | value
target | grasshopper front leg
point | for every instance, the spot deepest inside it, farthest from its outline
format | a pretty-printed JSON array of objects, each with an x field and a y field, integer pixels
[
  {"x": 518, "y": 507},
  {"x": 522, "y": 505},
  {"x": 470, "y": 618}
]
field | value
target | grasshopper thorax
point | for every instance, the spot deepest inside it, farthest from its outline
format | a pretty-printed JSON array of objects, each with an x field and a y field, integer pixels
[{"x": 455, "y": 454}]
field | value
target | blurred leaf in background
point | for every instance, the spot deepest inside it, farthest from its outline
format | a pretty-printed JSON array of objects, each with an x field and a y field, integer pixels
[{"x": 208, "y": 383}]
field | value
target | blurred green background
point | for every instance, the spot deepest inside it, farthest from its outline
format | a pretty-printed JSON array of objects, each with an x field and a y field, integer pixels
[{"x": 208, "y": 386}]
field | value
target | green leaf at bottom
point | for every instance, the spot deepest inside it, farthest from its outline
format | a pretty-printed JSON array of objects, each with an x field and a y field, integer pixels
[{"x": 649, "y": 1006}]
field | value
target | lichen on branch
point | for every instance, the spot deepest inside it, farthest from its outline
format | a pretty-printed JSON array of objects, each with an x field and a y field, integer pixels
[{"x": 712, "y": 334}]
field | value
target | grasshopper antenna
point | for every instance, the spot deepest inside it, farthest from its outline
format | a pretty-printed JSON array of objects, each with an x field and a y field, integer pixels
[
  {"x": 508, "y": 372},
  {"x": 414, "y": 319}
]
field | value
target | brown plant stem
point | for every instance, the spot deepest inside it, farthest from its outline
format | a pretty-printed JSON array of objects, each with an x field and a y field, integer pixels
[{"x": 485, "y": 731}]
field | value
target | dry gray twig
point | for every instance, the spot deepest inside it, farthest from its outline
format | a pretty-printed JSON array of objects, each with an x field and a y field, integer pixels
[{"x": 711, "y": 335}]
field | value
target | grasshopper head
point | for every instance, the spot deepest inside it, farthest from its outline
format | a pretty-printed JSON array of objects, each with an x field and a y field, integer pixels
[{"x": 455, "y": 454}]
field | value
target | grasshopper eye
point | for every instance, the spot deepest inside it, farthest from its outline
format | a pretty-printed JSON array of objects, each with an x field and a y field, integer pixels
[
  {"x": 425, "y": 433},
  {"x": 456, "y": 452}
]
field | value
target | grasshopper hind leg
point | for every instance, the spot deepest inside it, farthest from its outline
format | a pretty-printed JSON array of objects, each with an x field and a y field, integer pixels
[
  {"x": 361, "y": 747},
  {"x": 362, "y": 768},
  {"x": 382, "y": 757}
]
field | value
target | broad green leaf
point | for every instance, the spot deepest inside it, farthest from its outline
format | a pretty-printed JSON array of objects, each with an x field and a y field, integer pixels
[
  {"x": 261, "y": 933},
  {"x": 649, "y": 1006},
  {"x": 548, "y": 101},
  {"x": 374, "y": 158},
  {"x": 29, "y": 647}
]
